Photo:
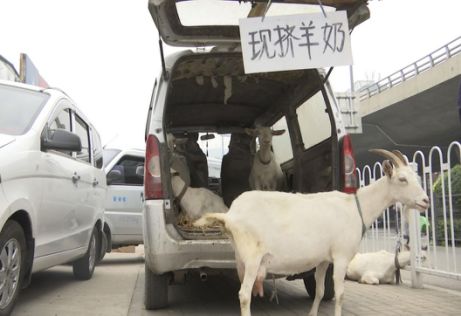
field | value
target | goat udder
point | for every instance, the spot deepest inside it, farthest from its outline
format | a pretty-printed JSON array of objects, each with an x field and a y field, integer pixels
[{"x": 258, "y": 288}]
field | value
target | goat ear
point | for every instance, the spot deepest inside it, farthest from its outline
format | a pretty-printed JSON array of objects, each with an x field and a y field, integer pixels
[
  {"x": 387, "y": 167},
  {"x": 251, "y": 132},
  {"x": 278, "y": 132},
  {"x": 180, "y": 141},
  {"x": 170, "y": 141}
]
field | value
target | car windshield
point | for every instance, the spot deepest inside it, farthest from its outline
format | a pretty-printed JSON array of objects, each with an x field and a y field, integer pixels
[
  {"x": 108, "y": 155},
  {"x": 19, "y": 108},
  {"x": 214, "y": 148}
]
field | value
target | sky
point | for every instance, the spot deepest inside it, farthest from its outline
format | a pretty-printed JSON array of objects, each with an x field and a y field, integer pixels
[{"x": 104, "y": 53}]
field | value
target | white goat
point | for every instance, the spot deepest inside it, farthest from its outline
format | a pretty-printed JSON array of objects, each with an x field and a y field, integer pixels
[
  {"x": 195, "y": 202},
  {"x": 266, "y": 173},
  {"x": 312, "y": 231},
  {"x": 376, "y": 267}
]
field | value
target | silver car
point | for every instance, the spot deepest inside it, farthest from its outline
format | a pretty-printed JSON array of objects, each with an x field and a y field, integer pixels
[
  {"x": 124, "y": 170},
  {"x": 52, "y": 187}
]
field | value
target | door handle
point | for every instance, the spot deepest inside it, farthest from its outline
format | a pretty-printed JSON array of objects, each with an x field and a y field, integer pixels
[
  {"x": 95, "y": 182},
  {"x": 142, "y": 196},
  {"x": 75, "y": 177}
]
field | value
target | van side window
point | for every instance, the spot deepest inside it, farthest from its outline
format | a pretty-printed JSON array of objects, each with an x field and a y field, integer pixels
[
  {"x": 281, "y": 144},
  {"x": 61, "y": 121},
  {"x": 314, "y": 121},
  {"x": 97, "y": 150},
  {"x": 81, "y": 129},
  {"x": 129, "y": 170}
]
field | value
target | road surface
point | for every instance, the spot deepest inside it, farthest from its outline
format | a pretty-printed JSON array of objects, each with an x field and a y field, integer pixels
[{"x": 117, "y": 288}]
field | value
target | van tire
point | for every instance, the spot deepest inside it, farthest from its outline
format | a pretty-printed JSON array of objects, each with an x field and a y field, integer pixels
[
  {"x": 103, "y": 246},
  {"x": 155, "y": 290},
  {"x": 13, "y": 235},
  {"x": 309, "y": 284},
  {"x": 83, "y": 268}
]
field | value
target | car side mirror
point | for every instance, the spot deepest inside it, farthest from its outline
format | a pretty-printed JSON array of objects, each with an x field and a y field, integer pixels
[
  {"x": 60, "y": 139},
  {"x": 114, "y": 176}
]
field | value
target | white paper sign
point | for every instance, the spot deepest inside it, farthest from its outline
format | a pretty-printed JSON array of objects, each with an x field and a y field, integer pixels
[{"x": 298, "y": 41}]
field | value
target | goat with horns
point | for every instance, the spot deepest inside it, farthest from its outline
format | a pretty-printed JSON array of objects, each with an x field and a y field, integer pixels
[{"x": 280, "y": 233}]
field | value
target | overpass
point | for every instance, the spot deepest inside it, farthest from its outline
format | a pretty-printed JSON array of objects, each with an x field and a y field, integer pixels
[{"x": 413, "y": 109}]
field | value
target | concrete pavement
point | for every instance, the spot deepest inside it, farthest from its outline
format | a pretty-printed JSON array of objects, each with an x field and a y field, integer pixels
[
  {"x": 117, "y": 288},
  {"x": 109, "y": 292}
]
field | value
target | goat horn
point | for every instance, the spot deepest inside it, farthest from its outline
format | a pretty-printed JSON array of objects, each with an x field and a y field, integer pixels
[
  {"x": 401, "y": 157},
  {"x": 387, "y": 154}
]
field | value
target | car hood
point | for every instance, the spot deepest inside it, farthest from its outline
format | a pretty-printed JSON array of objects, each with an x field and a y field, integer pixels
[{"x": 6, "y": 139}]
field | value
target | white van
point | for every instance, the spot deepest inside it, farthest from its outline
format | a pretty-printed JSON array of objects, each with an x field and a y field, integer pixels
[
  {"x": 124, "y": 170},
  {"x": 52, "y": 187},
  {"x": 206, "y": 92}
]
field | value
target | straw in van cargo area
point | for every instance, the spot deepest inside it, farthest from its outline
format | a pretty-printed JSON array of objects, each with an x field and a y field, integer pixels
[{"x": 187, "y": 231}]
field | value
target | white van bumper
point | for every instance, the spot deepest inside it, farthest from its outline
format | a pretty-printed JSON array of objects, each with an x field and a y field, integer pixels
[{"x": 165, "y": 253}]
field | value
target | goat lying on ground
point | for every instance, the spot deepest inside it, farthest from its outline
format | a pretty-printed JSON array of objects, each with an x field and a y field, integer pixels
[
  {"x": 376, "y": 267},
  {"x": 312, "y": 231},
  {"x": 195, "y": 202},
  {"x": 266, "y": 174}
]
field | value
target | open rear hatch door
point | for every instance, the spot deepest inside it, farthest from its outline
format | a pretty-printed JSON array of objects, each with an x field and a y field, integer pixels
[{"x": 198, "y": 23}]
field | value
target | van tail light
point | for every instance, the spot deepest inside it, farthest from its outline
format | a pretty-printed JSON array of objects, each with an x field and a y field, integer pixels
[
  {"x": 348, "y": 166},
  {"x": 152, "y": 172}
]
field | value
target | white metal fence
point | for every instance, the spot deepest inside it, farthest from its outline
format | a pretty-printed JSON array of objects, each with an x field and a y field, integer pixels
[{"x": 440, "y": 228}]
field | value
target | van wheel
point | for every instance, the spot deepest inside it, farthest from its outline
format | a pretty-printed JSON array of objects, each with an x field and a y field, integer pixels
[
  {"x": 309, "y": 284},
  {"x": 155, "y": 290},
  {"x": 84, "y": 267},
  {"x": 107, "y": 241},
  {"x": 103, "y": 246},
  {"x": 12, "y": 257}
]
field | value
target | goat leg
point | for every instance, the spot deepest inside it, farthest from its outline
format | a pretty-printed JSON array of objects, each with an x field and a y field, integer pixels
[
  {"x": 339, "y": 273},
  {"x": 249, "y": 278},
  {"x": 274, "y": 292},
  {"x": 320, "y": 273}
]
